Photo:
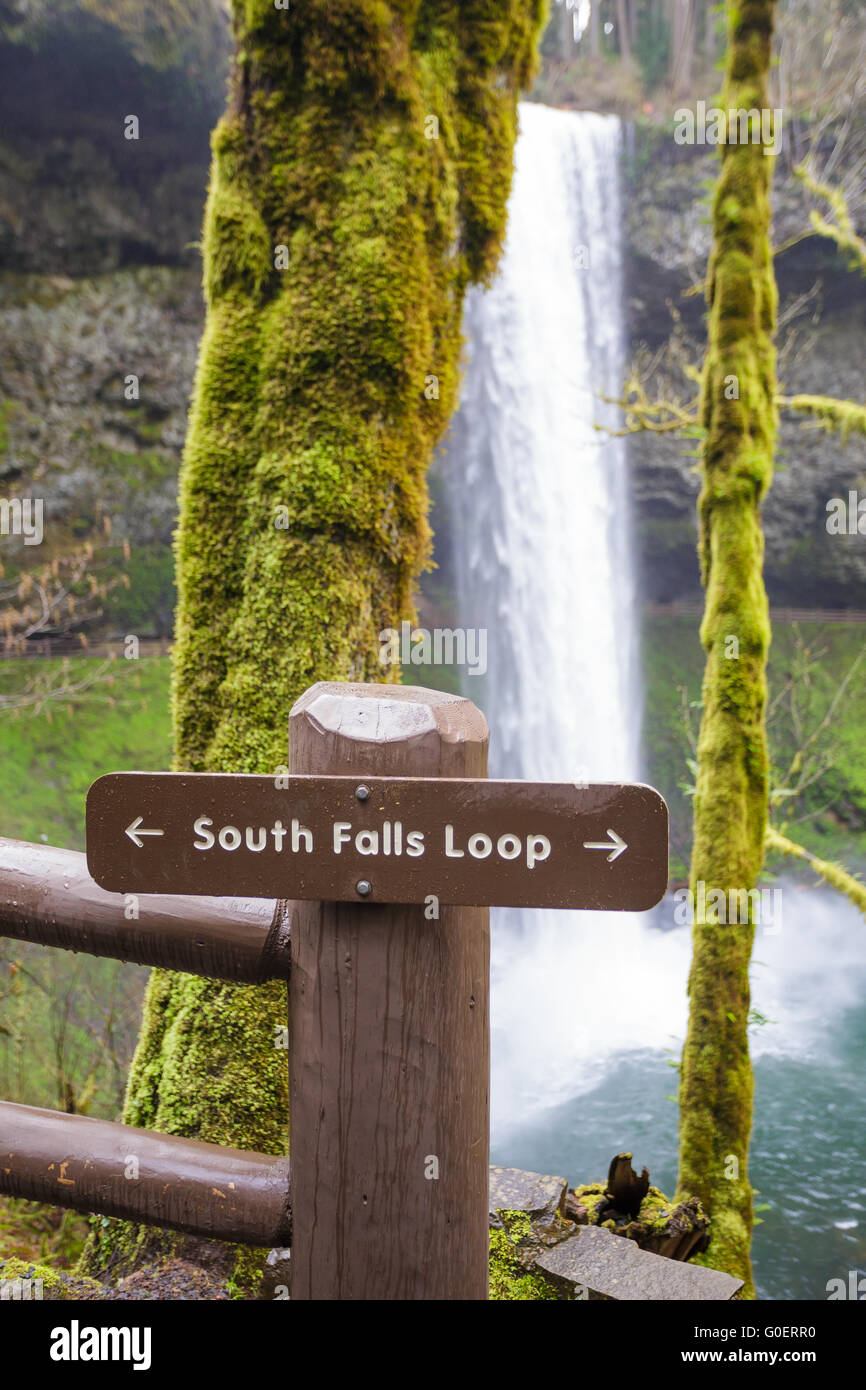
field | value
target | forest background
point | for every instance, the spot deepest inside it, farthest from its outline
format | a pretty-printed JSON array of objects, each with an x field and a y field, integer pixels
[{"x": 100, "y": 282}]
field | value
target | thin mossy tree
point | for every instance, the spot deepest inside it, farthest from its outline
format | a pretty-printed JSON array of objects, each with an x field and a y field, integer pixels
[
  {"x": 359, "y": 183},
  {"x": 738, "y": 413}
]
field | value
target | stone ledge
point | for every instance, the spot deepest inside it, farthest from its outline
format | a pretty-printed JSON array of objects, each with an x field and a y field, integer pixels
[
  {"x": 590, "y": 1261},
  {"x": 541, "y": 1196},
  {"x": 600, "y": 1265}
]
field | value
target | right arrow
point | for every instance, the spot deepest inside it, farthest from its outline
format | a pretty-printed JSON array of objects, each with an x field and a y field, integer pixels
[{"x": 615, "y": 840}]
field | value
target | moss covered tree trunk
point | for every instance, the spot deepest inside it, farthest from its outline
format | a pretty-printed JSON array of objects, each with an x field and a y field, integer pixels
[
  {"x": 732, "y": 784},
  {"x": 359, "y": 183}
]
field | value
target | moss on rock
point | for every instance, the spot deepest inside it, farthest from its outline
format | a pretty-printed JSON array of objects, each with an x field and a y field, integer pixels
[
  {"x": 39, "y": 1282},
  {"x": 510, "y": 1279},
  {"x": 590, "y": 1196}
]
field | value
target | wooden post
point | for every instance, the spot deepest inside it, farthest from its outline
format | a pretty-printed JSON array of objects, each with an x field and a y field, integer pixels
[{"x": 389, "y": 1033}]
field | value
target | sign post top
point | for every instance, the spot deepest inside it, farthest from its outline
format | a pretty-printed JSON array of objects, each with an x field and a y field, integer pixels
[{"x": 359, "y": 725}]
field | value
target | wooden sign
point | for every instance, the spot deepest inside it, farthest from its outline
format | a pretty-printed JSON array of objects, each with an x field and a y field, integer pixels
[{"x": 472, "y": 842}]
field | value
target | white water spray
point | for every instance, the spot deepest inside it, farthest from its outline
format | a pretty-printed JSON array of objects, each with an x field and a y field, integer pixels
[
  {"x": 543, "y": 560},
  {"x": 542, "y": 555}
]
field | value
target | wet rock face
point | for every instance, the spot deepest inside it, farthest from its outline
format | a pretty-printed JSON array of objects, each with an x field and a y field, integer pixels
[
  {"x": 100, "y": 297},
  {"x": 667, "y": 200},
  {"x": 96, "y": 366},
  {"x": 95, "y": 377},
  {"x": 78, "y": 196}
]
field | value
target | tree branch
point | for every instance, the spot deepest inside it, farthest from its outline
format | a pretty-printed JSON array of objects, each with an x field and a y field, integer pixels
[
  {"x": 834, "y": 874},
  {"x": 830, "y": 414}
]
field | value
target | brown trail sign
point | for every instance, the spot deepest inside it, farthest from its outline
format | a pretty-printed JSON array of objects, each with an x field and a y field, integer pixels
[
  {"x": 395, "y": 840},
  {"x": 391, "y": 844}
]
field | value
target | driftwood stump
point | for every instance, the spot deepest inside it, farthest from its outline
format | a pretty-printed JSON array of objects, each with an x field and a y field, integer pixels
[{"x": 628, "y": 1206}]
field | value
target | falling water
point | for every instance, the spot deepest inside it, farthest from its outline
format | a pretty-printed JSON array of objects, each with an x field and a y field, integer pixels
[
  {"x": 542, "y": 554},
  {"x": 589, "y": 1007},
  {"x": 540, "y": 497}
]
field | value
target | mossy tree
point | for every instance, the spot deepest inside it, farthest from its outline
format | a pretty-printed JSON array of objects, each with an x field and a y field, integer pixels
[
  {"x": 738, "y": 414},
  {"x": 359, "y": 183}
]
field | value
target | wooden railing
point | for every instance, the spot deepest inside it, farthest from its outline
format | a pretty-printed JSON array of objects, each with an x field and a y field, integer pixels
[{"x": 48, "y": 898}]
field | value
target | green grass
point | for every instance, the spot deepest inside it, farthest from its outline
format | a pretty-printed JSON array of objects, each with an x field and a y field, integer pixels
[
  {"x": 48, "y": 760},
  {"x": 68, "y": 1022},
  {"x": 835, "y": 805}
]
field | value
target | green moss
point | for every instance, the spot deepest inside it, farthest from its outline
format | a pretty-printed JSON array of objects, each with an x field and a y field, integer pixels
[
  {"x": 509, "y": 1278},
  {"x": 842, "y": 231},
  {"x": 733, "y": 770},
  {"x": 655, "y": 1210},
  {"x": 311, "y": 432},
  {"x": 834, "y": 874},
  {"x": 848, "y": 417},
  {"x": 338, "y": 242},
  {"x": 56, "y": 1285},
  {"x": 590, "y": 1196}
]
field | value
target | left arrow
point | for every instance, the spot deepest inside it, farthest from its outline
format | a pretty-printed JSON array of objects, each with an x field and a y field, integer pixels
[{"x": 135, "y": 830}]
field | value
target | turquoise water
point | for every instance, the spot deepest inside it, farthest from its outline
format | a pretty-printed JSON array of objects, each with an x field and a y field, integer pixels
[{"x": 808, "y": 1156}]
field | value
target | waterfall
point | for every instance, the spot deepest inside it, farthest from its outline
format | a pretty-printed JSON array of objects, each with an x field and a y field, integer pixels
[
  {"x": 538, "y": 496},
  {"x": 538, "y": 513},
  {"x": 587, "y": 1007}
]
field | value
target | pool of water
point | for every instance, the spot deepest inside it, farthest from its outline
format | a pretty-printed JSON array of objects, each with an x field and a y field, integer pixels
[{"x": 808, "y": 1156}]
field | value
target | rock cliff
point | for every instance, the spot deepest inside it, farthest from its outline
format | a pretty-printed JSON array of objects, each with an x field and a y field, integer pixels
[{"x": 99, "y": 284}]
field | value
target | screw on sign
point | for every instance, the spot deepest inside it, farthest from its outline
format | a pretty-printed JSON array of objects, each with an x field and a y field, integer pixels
[{"x": 387, "y": 806}]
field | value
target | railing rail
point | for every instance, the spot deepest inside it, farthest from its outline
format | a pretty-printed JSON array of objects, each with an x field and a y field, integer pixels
[
  {"x": 160, "y": 1180},
  {"x": 47, "y": 897}
]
